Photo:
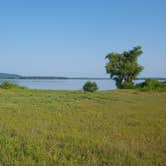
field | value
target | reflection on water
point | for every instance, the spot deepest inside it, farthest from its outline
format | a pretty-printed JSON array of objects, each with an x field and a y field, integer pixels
[{"x": 61, "y": 84}]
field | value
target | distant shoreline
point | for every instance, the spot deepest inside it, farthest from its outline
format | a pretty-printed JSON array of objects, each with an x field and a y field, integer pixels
[
  {"x": 14, "y": 76},
  {"x": 71, "y": 78},
  {"x": 53, "y": 78}
]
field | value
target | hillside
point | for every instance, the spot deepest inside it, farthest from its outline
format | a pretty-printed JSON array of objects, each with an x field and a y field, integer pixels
[
  {"x": 16, "y": 76},
  {"x": 9, "y": 76}
]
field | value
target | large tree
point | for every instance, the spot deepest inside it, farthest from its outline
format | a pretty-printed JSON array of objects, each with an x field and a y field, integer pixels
[{"x": 124, "y": 68}]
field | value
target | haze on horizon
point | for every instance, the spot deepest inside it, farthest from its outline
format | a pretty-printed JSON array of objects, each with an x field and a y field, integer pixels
[{"x": 72, "y": 38}]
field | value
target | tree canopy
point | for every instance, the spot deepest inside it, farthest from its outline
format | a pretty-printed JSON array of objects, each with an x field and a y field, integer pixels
[{"x": 124, "y": 68}]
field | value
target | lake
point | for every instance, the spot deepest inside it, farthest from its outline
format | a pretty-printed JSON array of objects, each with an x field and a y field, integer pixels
[{"x": 62, "y": 84}]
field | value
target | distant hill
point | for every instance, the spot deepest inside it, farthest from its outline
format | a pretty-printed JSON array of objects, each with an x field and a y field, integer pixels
[
  {"x": 16, "y": 76},
  {"x": 41, "y": 77},
  {"x": 9, "y": 76}
]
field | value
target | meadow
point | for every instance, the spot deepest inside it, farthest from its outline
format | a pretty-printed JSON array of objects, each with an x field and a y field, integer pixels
[{"x": 74, "y": 128}]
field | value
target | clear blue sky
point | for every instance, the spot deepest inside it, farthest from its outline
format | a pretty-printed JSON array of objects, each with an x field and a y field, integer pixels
[{"x": 72, "y": 37}]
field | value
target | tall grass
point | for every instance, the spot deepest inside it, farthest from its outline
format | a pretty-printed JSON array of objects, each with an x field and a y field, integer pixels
[{"x": 48, "y": 128}]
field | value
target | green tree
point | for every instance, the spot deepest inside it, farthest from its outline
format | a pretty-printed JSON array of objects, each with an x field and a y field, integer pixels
[{"x": 124, "y": 68}]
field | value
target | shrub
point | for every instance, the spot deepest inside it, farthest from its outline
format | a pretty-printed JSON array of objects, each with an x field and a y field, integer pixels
[
  {"x": 90, "y": 86},
  {"x": 150, "y": 84},
  {"x": 9, "y": 85},
  {"x": 127, "y": 85}
]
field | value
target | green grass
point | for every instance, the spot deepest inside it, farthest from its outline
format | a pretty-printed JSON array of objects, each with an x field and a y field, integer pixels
[{"x": 74, "y": 128}]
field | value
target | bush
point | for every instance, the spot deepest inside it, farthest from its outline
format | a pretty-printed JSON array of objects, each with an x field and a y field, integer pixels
[
  {"x": 150, "y": 84},
  {"x": 90, "y": 86},
  {"x": 127, "y": 85},
  {"x": 9, "y": 85}
]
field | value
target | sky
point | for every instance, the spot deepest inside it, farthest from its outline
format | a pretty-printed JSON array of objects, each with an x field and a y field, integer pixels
[{"x": 72, "y": 37}]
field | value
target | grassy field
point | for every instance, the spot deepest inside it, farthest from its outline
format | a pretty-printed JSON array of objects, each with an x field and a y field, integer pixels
[{"x": 73, "y": 128}]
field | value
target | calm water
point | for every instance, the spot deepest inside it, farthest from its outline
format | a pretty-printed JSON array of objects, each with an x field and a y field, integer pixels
[{"x": 61, "y": 84}]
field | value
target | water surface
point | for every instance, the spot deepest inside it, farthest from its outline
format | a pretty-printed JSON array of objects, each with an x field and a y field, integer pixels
[{"x": 62, "y": 84}]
